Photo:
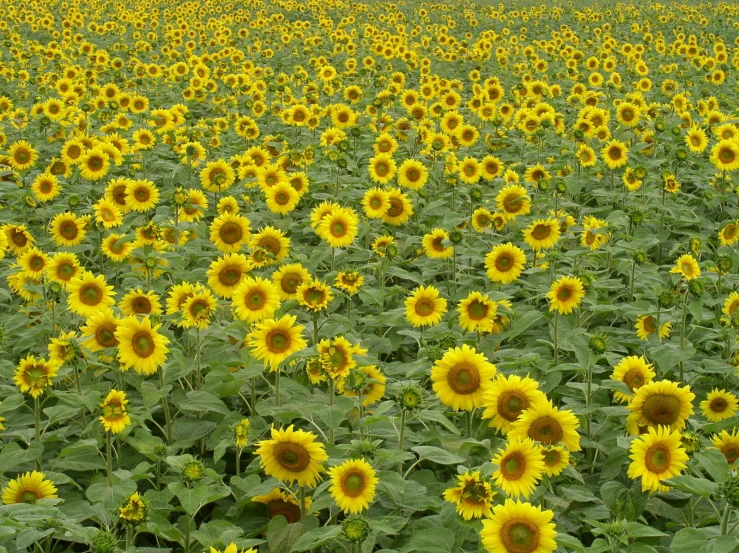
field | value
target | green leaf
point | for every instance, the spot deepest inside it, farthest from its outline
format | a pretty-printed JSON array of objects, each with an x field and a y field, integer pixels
[
  {"x": 192, "y": 499},
  {"x": 636, "y": 530},
  {"x": 432, "y": 540},
  {"x": 570, "y": 543},
  {"x": 714, "y": 463},
  {"x": 690, "y": 484},
  {"x": 315, "y": 538},
  {"x": 202, "y": 401},
  {"x": 438, "y": 455},
  {"x": 281, "y": 536},
  {"x": 687, "y": 540},
  {"x": 441, "y": 419}
]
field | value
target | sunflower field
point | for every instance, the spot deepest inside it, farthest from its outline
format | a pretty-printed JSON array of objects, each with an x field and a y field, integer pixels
[{"x": 394, "y": 277}]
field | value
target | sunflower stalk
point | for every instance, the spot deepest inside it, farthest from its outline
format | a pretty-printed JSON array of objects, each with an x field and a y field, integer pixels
[
  {"x": 165, "y": 406},
  {"x": 277, "y": 387},
  {"x": 682, "y": 334},
  {"x": 330, "y": 404},
  {"x": 109, "y": 458},
  {"x": 302, "y": 501},
  {"x": 556, "y": 338}
]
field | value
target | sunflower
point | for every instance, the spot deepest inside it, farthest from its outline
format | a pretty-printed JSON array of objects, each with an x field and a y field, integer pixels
[
  {"x": 114, "y": 415},
  {"x": 424, "y": 307},
  {"x": 647, "y": 324},
  {"x": 140, "y": 345},
  {"x": 376, "y": 203},
  {"x": 198, "y": 309},
  {"x": 725, "y": 155},
  {"x": 731, "y": 305},
  {"x": 18, "y": 238},
  {"x": 505, "y": 263},
  {"x": 349, "y": 281},
  {"x": 255, "y": 299},
  {"x": 662, "y": 403},
  {"x": 108, "y": 214},
  {"x": 99, "y": 330},
  {"x": 542, "y": 234},
  {"x": 374, "y": 386},
  {"x": 289, "y": 278},
  {"x": 687, "y": 266},
  {"x": 276, "y": 340},
  {"x": 273, "y": 242},
  {"x": 194, "y": 206},
  {"x": 472, "y": 496},
  {"x": 117, "y": 247},
  {"x": 615, "y": 154},
  {"x": 28, "y": 488},
  {"x": 292, "y": 456},
  {"x": 469, "y": 170},
  {"x": 229, "y": 232},
  {"x": 339, "y": 228},
  {"x": 482, "y": 219},
  {"x": 462, "y": 377},
  {"x": 94, "y": 164},
  {"x": 728, "y": 444},
  {"x": 141, "y": 195},
  {"x": 729, "y": 234},
  {"x": 34, "y": 262},
  {"x": 513, "y": 200},
  {"x": 508, "y": 397},
  {"x": 33, "y": 375},
  {"x": 516, "y": 527},
  {"x": 227, "y": 272},
  {"x": 337, "y": 356},
  {"x": 433, "y": 244},
  {"x": 593, "y": 240},
  {"x": 22, "y": 155},
  {"x": 353, "y": 485},
  {"x": 556, "y": 459},
  {"x": 546, "y": 424},
  {"x": 45, "y": 187},
  {"x": 138, "y": 302},
  {"x": 719, "y": 405},
  {"x": 217, "y": 176},
  {"x": 281, "y": 503},
  {"x": 89, "y": 293},
  {"x": 635, "y": 372},
  {"x": 520, "y": 467},
  {"x": 67, "y": 229},
  {"x": 476, "y": 312},
  {"x": 566, "y": 294},
  {"x": 412, "y": 174},
  {"x": 656, "y": 456},
  {"x": 400, "y": 208},
  {"x": 381, "y": 243},
  {"x": 382, "y": 168},
  {"x": 696, "y": 139},
  {"x": 281, "y": 198}
]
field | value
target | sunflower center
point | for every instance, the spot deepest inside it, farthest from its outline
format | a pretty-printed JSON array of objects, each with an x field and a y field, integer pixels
[
  {"x": 231, "y": 233},
  {"x": 314, "y": 296},
  {"x": 614, "y": 153},
  {"x": 113, "y": 410},
  {"x": 464, "y": 378},
  {"x": 424, "y": 307},
  {"x": 519, "y": 536},
  {"x": 477, "y": 310},
  {"x": 661, "y": 409},
  {"x": 36, "y": 263},
  {"x": 290, "y": 283},
  {"x": 65, "y": 271},
  {"x": 142, "y": 344},
  {"x": 353, "y": 484},
  {"x": 564, "y": 293},
  {"x": 731, "y": 453},
  {"x": 141, "y": 305},
  {"x": 504, "y": 262},
  {"x": 513, "y": 466},
  {"x": 510, "y": 406},
  {"x": 726, "y": 155},
  {"x": 288, "y": 510},
  {"x": 91, "y": 294},
  {"x": 105, "y": 335},
  {"x": 396, "y": 208},
  {"x": 437, "y": 244},
  {"x": 719, "y": 405},
  {"x": 513, "y": 203},
  {"x": 375, "y": 202},
  {"x": 68, "y": 230},
  {"x": 22, "y": 156},
  {"x": 142, "y": 194},
  {"x": 657, "y": 458},
  {"x": 634, "y": 379},
  {"x": 541, "y": 232},
  {"x": 413, "y": 174},
  {"x": 546, "y": 430},
  {"x": 292, "y": 457},
  {"x": 551, "y": 457},
  {"x": 271, "y": 244},
  {"x": 28, "y": 496},
  {"x": 282, "y": 198},
  {"x": 95, "y": 163},
  {"x": 278, "y": 341},
  {"x": 338, "y": 229},
  {"x": 650, "y": 325}
]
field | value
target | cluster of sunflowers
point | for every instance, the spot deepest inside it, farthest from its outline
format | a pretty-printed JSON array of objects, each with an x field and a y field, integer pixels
[{"x": 400, "y": 277}]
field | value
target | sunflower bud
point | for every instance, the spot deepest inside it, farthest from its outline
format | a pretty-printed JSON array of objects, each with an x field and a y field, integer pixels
[
  {"x": 391, "y": 251},
  {"x": 448, "y": 342},
  {"x": 476, "y": 193},
  {"x": 343, "y": 145},
  {"x": 73, "y": 201},
  {"x": 434, "y": 353},
  {"x": 691, "y": 441},
  {"x": 455, "y": 236},
  {"x": 160, "y": 450},
  {"x": 579, "y": 135},
  {"x": 192, "y": 471},
  {"x": 356, "y": 380},
  {"x": 640, "y": 172},
  {"x": 598, "y": 344},
  {"x": 696, "y": 287},
  {"x": 561, "y": 187},
  {"x": 636, "y": 216},
  {"x": 695, "y": 245},
  {"x": 735, "y": 320},
  {"x": 640, "y": 257},
  {"x": 666, "y": 299},
  {"x": 105, "y": 542},
  {"x": 724, "y": 263},
  {"x": 543, "y": 184},
  {"x": 342, "y": 163},
  {"x": 365, "y": 447},
  {"x": 616, "y": 528},
  {"x": 410, "y": 398},
  {"x": 355, "y": 528}
]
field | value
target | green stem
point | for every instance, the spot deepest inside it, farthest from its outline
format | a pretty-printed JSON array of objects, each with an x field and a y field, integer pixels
[
  {"x": 37, "y": 418},
  {"x": 238, "y": 461},
  {"x": 556, "y": 338},
  {"x": 277, "y": 387},
  {"x": 198, "y": 382},
  {"x": 725, "y": 519},
  {"x": 302, "y": 501},
  {"x": 165, "y": 405},
  {"x": 469, "y": 424},
  {"x": 631, "y": 282},
  {"x": 253, "y": 395},
  {"x": 401, "y": 437},
  {"x": 109, "y": 459},
  {"x": 330, "y": 404},
  {"x": 187, "y": 533},
  {"x": 682, "y": 332}
]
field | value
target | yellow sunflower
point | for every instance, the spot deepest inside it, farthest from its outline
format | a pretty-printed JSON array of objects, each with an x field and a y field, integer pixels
[
  {"x": 94, "y": 164},
  {"x": 339, "y": 228},
  {"x": 566, "y": 294},
  {"x": 198, "y": 309},
  {"x": 635, "y": 372},
  {"x": 227, "y": 272},
  {"x": 28, "y": 488},
  {"x": 292, "y": 456},
  {"x": 507, "y": 398},
  {"x": 99, "y": 330},
  {"x": 725, "y": 155},
  {"x": 433, "y": 244},
  {"x": 546, "y": 424},
  {"x": 719, "y": 405},
  {"x": 374, "y": 387},
  {"x": 349, "y": 281},
  {"x": 353, "y": 485},
  {"x": 314, "y": 295},
  {"x": 117, "y": 247},
  {"x": 516, "y": 527},
  {"x": 288, "y": 279},
  {"x": 687, "y": 266},
  {"x": 662, "y": 403},
  {"x": 273, "y": 242},
  {"x": 140, "y": 345},
  {"x": 542, "y": 234},
  {"x": 647, "y": 324},
  {"x": 229, "y": 232},
  {"x": 656, "y": 456},
  {"x": 67, "y": 229},
  {"x": 141, "y": 195},
  {"x": 462, "y": 377},
  {"x": 276, "y": 340},
  {"x": 382, "y": 168},
  {"x": 556, "y": 459},
  {"x": 255, "y": 299},
  {"x": 89, "y": 293},
  {"x": 505, "y": 263},
  {"x": 477, "y": 312},
  {"x": 281, "y": 198},
  {"x": 412, "y": 174},
  {"x": 520, "y": 467},
  {"x": 138, "y": 302},
  {"x": 114, "y": 415},
  {"x": 472, "y": 496},
  {"x": 728, "y": 444},
  {"x": 281, "y": 503},
  {"x": 22, "y": 155},
  {"x": 513, "y": 200},
  {"x": 424, "y": 307},
  {"x": 33, "y": 375},
  {"x": 400, "y": 208},
  {"x": 615, "y": 154},
  {"x": 375, "y": 203}
]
